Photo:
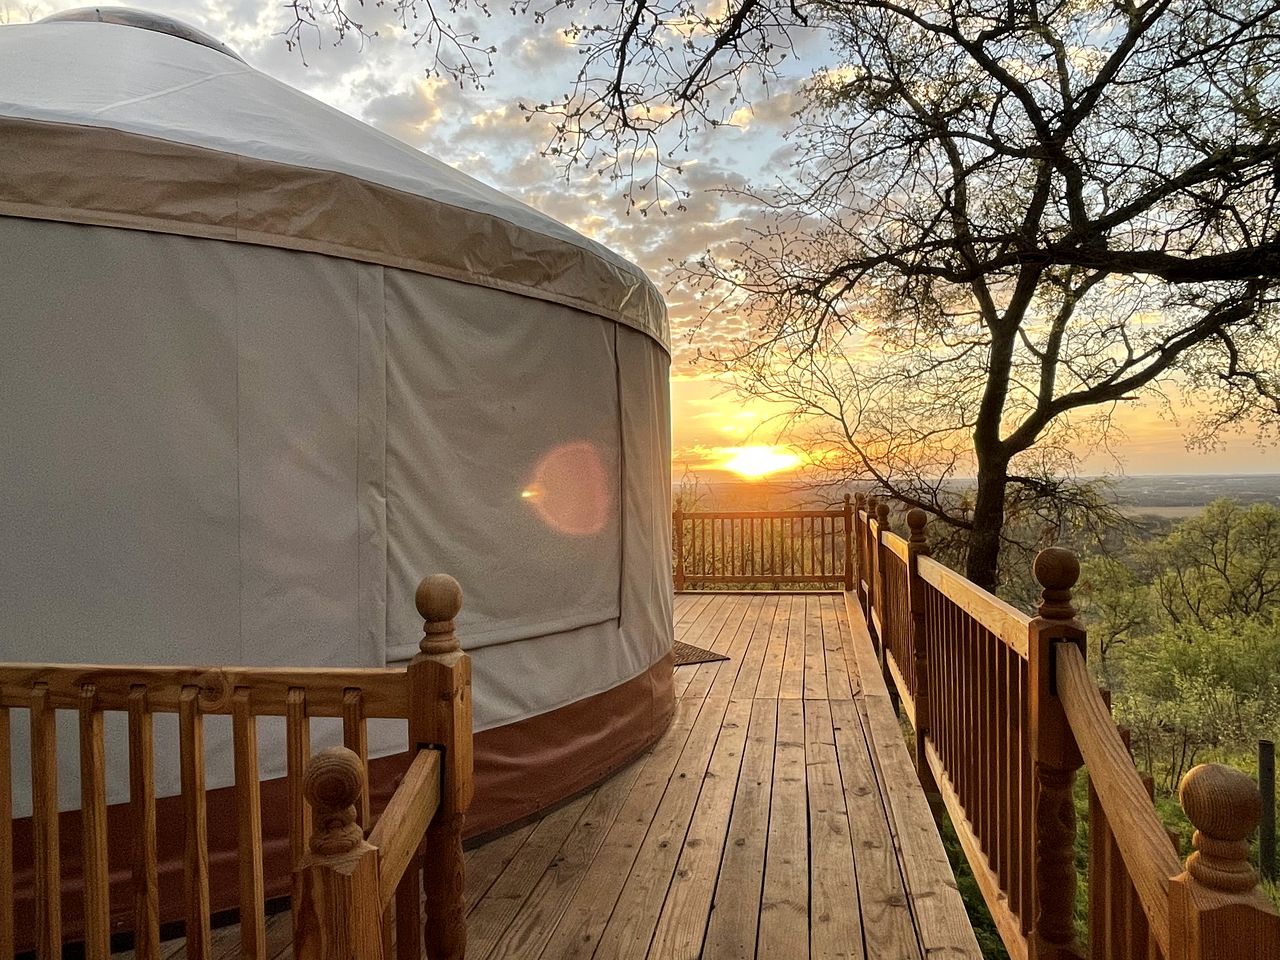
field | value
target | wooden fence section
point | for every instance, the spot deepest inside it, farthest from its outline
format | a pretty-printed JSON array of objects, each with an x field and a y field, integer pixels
[
  {"x": 763, "y": 548},
  {"x": 349, "y": 892},
  {"x": 1004, "y": 714}
]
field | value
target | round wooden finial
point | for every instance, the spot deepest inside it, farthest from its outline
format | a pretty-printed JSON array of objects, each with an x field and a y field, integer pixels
[
  {"x": 1225, "y": 807},
  {"x": 439, "y": 598},
  {"x": 332, "y": 785},
  {"x": 916, "y": 520},
  {"x": 860, "y": 499},
  {"x": 882, "y": 513},
  {"x": 1056, "y": 569}
]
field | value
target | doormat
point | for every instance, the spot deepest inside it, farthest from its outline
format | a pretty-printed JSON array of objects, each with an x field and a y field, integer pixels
[{"x": 687, "y": 653}]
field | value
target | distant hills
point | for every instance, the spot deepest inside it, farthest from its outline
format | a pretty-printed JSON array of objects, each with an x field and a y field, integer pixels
[{"x": 1169, "y": 494}]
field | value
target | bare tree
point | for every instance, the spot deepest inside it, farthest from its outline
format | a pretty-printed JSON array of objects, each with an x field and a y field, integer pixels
[{"x": 1006, "y": 218}]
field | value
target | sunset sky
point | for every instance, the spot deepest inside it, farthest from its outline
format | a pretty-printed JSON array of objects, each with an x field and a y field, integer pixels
[{"x": 485, "y": 134}]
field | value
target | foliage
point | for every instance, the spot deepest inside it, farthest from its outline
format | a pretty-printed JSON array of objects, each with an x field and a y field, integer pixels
[
  {"x": 1191, "y": 690},
  {"x": 1186, "y": 632},
  {"x": 1223, "y": 565}
]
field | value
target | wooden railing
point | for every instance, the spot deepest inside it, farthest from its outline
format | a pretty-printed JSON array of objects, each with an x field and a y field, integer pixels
[
  {"x": 1004, "y": 713},
  {"x": 763, "y": 548},
  {"x": 349, "y": 893}
]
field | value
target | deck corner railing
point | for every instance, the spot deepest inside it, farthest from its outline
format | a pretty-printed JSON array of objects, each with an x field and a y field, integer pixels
[
  {"x": 763, "y": 548},
  {"x": 1005, "y": 713},
  {"x": 355, "y": 893}
]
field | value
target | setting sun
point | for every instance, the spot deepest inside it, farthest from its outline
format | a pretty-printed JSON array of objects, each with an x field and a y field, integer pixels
[{"x": 754, "y": 462}]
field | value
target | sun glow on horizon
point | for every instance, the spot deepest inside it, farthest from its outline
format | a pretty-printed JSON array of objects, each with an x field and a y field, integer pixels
[{"x": 757, "y": 461}]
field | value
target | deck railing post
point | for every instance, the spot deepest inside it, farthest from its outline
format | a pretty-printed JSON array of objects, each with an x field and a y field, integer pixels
[
  {"x": 848, "y": 544},
  {"x": 440, "y": 717},
  {"x": 883, "y": 604},
  {"x": 1216, "y": 910},
  {"x": 917, "y": 547},
  {"x": 859, "y": 505},
  {"x": 873, "y": 568},
  {"x": 338, "y": 905},
  {"x": 678, "y": 517},
  {"x": 1055, "y": 760}
]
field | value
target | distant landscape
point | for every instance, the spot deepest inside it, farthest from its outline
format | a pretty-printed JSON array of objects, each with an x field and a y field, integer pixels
[{"x": 1171, "y": 496}]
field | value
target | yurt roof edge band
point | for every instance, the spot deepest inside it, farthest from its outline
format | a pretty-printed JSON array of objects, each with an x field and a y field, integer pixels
[{"x": 142, "y": 182}]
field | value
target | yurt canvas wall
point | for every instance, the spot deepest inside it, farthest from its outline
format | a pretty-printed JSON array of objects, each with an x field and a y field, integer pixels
[{"x": 264, "y": 367}]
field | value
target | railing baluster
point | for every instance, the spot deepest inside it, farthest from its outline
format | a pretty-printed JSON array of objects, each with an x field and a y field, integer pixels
[
  {"x": 253, "y": 937},
  {"x": 986, "y": 726},
  {"x": 1004, "y": 833},
  {"x": 196, "y": 856},
  {"x": 93, "y": 814},
  {"x": 355, "y": 737},
  {"x": 297, "y": 756},
  {"x": 768, "y": 524},
  {"x": 44, "y": 824},
  {"x": 142, "y": 818},
  {"x": 678, "y": 523}
]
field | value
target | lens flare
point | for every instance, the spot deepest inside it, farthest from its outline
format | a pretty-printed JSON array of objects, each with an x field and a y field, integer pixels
[{"x": 570, "y": 490}]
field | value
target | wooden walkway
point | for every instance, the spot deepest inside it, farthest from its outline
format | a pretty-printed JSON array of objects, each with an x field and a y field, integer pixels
[{"x": 779, "y": 817}]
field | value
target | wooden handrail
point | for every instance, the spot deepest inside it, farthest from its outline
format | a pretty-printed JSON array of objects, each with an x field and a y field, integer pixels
[
  {"x": 331, "y": 914},
  {"x": 1139, "y": 834},
  {"x": 385, "y": 691},
  {"x": 895, "y": 545},
  {"x": 403, "y": 823},
  {"x": 1005, "y": 621},
  {"x": 1005, "y": 713}
]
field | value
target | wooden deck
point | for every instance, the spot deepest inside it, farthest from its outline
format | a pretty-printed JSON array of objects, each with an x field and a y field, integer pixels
[{"x": 779, "y": 817}]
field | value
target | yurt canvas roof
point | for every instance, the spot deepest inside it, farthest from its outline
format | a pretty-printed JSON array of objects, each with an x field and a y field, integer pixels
[{"x": 193, "y": 141}]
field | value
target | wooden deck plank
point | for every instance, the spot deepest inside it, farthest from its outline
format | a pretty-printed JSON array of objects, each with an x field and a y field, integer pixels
[
  {"x": 688, "y": 606},
  {"x": 682, "y": 921},
  {"x": 835, "y": 924},
  {"x": 771, "y": 667},
  {"x": 533, "y": 926},
  {"x": 630, "y": 929},
  {"x": 791, "y": 686},
  {"x": 941, "y": 922},
  {"x": 735, "y": 915},
  {"x": 838, "y": 685},
  {"x": 486, "y": 862},
  {"x": 583, "y": 921},
  {"x": 744, "y": 687},
  {"x": 778, "y": 817},
  {"x": 888, "y": 929},
  {"x": 847, "y": 607},
  {"x": 815, "y": 658},
  {"x": 784, "y": 901},
  {"x": 494, "y": 914}
]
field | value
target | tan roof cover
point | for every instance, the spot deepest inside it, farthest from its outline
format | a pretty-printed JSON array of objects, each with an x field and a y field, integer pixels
[{"x": 110, "y": 125}]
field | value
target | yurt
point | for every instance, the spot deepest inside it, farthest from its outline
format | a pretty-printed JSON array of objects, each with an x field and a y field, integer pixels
[{"x": 263, "y": 367}]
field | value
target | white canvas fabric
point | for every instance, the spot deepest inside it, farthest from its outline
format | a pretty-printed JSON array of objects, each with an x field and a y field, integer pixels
[{"x": 225, "y": 453}]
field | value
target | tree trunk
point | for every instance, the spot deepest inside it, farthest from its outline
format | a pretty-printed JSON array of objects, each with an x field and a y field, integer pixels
[{"x": 988, "y": 522}]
